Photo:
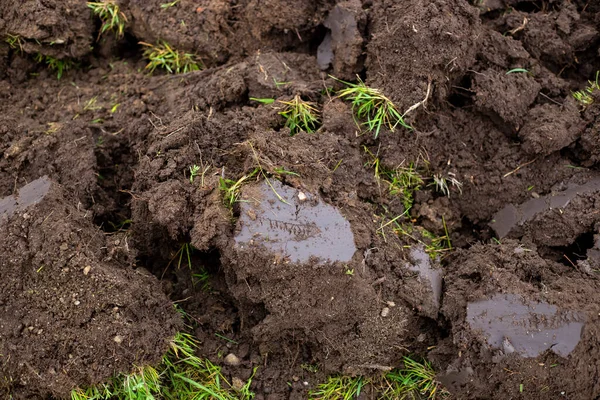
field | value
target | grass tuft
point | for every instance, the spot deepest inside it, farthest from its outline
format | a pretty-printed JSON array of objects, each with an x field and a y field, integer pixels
[
  {"x": 181, "y": 375},
  {"x": 339, "y": 388},
  {"x": 162, "y": 55},
  {"x": 435, "y": 246},
  {"x": 403, "y": 181},
  {"x": 414, "y": 381},
  {"x": 441, "y": 183},
  {"x": 113, "y": 19},
  {"x": 300, "y": 115},
  {"x": 54, "y": 64},
  {"x": 15, "y": 42},
  {"x": 585, "y": 97},
  {"x": 373, "y": 106},
  {"x": 231, "y": 188}
]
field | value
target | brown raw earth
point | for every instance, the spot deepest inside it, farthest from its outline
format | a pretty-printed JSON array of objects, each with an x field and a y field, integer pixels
[
  {"x": 506, "y": 137},
  {"x": 73, "y": 311}
]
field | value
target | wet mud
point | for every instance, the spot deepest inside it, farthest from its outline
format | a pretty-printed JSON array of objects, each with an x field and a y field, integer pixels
[
  {"x": 98, "y": 205},
  {"x": 293, "y": 224},
  {"x": 525, "y": 328}
]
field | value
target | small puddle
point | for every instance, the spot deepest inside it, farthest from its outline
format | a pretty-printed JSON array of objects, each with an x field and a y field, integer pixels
[
  {"x": 526, "y": 327},
  {"x": 510, "y": 216},
  {"x": 422, "y": 265},
  {"x": 30, "y": 194},
  {"x": 298, "y": 230},
  {"x": 343, "y": 32},
  {"x": 325, "y": 52}
]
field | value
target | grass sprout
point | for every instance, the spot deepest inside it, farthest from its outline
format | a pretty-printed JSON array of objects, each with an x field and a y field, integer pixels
[
  {"x": 194, "y": 171},
  {"x": 162, "y": 55},
  {"x": 339, "y": 388},
  {"x": 263, "y": 100},
  {"x": 54, "y": 64},
  {"x": 185, "y": 250},
  {"x": 113, "y": 19},
  {"x": 170, "y": 4},
  {"x": 231, "y": 188},
  {"x": 300, "y": 115},
  {"x": 202, "y": 279},
  {"x": 441, "y": 183},
  {"x": 181, "y": 375},
  {"x": 585, "y": 97},
  {"x": 373, "y": 106},
  {"x": 515, "y": 70},
  {"x": 15, "y": 42},
  {"x": 402, "y": 181}
]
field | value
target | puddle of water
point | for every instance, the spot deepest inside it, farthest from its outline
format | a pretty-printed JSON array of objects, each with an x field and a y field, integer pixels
[
  {"x": 422, "y": 265},
  {"x": 526, "y": 327},
  {"x": 343, "y": 31},
  {"x": 510, "y": 216},
  {"x": 455, "y": 379},
  {"x": 28, "y": 195},
  {"x": 298, "y": 230},
  {"x": 342, "y": 23},
  {"x": 325, "y": 52}
]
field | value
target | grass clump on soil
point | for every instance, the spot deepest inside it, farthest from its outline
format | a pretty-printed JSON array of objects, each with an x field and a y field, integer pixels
[
  {"x": 162, "y": 55},
  {"x": 300, "y": 115},
  {"x": 113, "y": 19},
  {"x": 586, "y": 96},
  {"x": 231, "y": 188},
  {"x": 435, "y": 246},
  {"x": 15, "y": 42},
  {"x": 370, "y": 104},
  {"x": 54, "y": 64},
  {"x": 339, "y": 388},
  {"x": 402, "y": 181},
  {"x": 415, "y": 380},
  {"x": 441, "y": 183},
  {"x": 181, "y": 375}
]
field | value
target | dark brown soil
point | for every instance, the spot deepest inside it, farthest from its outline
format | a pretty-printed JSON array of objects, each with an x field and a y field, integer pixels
[
  {"x": 117, "y": 144},
  {"x": 73, "y": 310}
]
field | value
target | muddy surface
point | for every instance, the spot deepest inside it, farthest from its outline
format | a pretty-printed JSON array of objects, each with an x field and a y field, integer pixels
[{"x": 95, "y": 171}]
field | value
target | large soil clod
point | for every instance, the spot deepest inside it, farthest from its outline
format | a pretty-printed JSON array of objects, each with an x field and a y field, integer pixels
[
  {"x": 72, "y": 311},
  {"x": 470, "y": 238}
]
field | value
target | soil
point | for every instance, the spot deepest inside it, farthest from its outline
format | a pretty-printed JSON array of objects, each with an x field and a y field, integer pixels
[{"x": 95, "y": 172}]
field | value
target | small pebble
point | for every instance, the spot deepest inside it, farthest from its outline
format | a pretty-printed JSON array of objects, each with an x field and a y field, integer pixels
[
  {"x": 77, "y": 302},
  {"x": 232, "y": 360},
  {"x": 391, "y": 304},
  {"x": 301, "y": 196},
  {"x": 385, "y": 312},
  {"x": 237, "y": 383},
  {"x": 118, "y": 339},
  {"x": 507, "y": 346},
  {"x": 86, "y": 270}
]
